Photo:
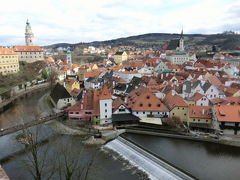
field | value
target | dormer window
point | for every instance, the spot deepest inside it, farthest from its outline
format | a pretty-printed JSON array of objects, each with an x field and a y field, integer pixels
[
  {"x": 148, "y": 97},
  {"x": 158, "y": 105},
  {"x": 141, "y": 105},
  {"x": 149, "y": 105}
]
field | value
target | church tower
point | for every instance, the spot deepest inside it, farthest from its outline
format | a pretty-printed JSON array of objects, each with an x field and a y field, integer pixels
[
  {"x": 28, "y": 35},
  {"x": 181, "y": 42}
]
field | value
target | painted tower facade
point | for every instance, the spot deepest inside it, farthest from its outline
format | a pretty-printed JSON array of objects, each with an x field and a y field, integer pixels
[
  {"x": 29, "y": 34},
  {"x": 181, "y": 42},
  {"x": 69, "y": 56}
]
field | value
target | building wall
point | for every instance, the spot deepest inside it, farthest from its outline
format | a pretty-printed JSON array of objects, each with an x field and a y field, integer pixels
[
  {"x": 85, "y": 115},
  {"x": 73, "y": 86},
  {"x": 178, "y": 59},
  {"x": 9, "y": 64},
  {"x": 202, "y": 102},
  {"x": 180, "y": 112},
  {"x": 105, "y": 108},
  {"x": 120, "y": 110},
  {"x": 200, "y": 120},
  {"x": 120, "y": 58},
  {"x": 65, "y": 102},
  {"x": 145, "y": 113},
  {"x": 30, "y": 56}
]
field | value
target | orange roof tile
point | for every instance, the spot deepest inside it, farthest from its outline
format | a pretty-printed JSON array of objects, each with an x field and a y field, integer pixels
[
  {"x": 28, "y": 48},
  {"x": 200, "y": 112},
  {"x": 141, "y": 99},
  {"x": 174, "y": 101},
  {"x": 227, "y": 113},
  {"x": 7, "y": 51},
  {"x": 105, "y": 94},
  {"x": 196, "y": 96}
]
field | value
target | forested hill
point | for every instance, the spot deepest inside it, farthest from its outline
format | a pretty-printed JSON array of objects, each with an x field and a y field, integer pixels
[{"x": 225, "y": 41}]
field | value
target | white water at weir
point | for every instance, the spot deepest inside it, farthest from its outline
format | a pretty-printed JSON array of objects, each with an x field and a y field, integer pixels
[{"x": 137, "y": 158}]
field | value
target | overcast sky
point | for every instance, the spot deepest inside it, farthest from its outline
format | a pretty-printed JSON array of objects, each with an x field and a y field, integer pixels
[{"x": 72, "y": 21}]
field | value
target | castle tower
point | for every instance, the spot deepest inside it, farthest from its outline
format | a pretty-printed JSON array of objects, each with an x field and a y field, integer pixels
[
  {"x": 28, "y": 35},
  {"x": 69, "y": 56},
  {"x": 181, "y": 42}
]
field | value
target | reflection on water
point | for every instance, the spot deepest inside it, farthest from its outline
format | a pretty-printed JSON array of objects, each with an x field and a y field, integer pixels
[
  {"x": 22, "y": 111},
  {"x": 205, "y": 160},
  {"x": 103, "y": 168}
]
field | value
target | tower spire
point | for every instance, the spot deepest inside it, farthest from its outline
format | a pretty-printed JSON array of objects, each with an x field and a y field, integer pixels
[
  {"x": 28, "y": 34},
  {"x": 181, "y": 42}
]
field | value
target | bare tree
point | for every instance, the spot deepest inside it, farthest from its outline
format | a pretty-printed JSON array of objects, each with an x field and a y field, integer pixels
[
  {"x": 38, "y": 162},
  {"x": 63, "y": 161}
]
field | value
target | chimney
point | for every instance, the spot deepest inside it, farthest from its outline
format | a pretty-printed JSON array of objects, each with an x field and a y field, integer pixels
[{"x": 125, "y": 100}]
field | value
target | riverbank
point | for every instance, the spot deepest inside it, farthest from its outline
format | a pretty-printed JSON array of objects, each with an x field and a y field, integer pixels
[
  {"x": 24, "y": 92},
  {"x": 225, "y": 140}
]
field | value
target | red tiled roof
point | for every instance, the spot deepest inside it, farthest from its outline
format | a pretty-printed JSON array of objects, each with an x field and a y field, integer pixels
[
  {"x": 200, "y": 112},
  {"x": 174, "y": 101},
  {"x": 227, "y": 113},
  {"x": 142, "y": 99},
  {"x": 28, "y": 48},
  {"x": 214, "y": 80},
  {"x": 105, "y": 94},
  {"x": 7, "y": 51},
  {"x": 196, "y": 96}
]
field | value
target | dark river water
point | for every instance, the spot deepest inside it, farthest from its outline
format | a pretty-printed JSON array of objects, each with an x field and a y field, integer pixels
[
  {"x": 204, "y": 160},
  {"x": 99, "y": 164}
]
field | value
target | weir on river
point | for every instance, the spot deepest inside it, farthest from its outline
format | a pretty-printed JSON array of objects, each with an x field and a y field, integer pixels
[{"x": 153, "y": 166}]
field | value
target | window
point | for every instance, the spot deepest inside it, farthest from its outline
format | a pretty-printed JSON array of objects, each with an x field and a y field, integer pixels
[
  {"x": 193, "y": 119},
  {"x": 149, "y": 105},
  {"x": 148, "y": 97},
  {"x": 182, "y": 108},
  {"x": 105, "y": 110},
  {"x": 185, "y": 114},
  {"x": 158, "y": 105},
  {"x": 105, "y": 116},
  {"x": 121, "y": 110},
  {"x": 105, "y": 104},
  {"x": 173, "y": 114},
  {"x": 77, "y": 113},
  {"x": 141, "y": 104},
  {"x": 198, "y": 120},
  {"x": 206, "y": 120},
  {"x": 71, "y": 112},
  {"x": 211, "y": 90},
  {"x": 143, "y": 112},
  {"x": 137, "y": 112}
]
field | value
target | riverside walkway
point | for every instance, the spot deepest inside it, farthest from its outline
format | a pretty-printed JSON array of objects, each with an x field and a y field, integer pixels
[
  {"x": 40, "y": 120},
  {"x": 22, "y": 93}
]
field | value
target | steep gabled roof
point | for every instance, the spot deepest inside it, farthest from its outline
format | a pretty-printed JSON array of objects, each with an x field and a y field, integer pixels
[
  {"x": 105, "y": 94},
  {"x": 196, "y": 96},
  {"x": 59, "y": 92},
  {"x": 142, "y": 99},
  {"x": 172, "y": 101}
]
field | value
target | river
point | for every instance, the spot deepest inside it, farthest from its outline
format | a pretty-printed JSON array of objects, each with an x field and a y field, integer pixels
[
  {"x": 105, "y": 165},
  {"x": 204, "y": 160}
]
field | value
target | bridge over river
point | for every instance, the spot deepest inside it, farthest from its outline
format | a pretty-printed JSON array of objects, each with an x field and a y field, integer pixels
[{"x": 40, "y": 120}]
